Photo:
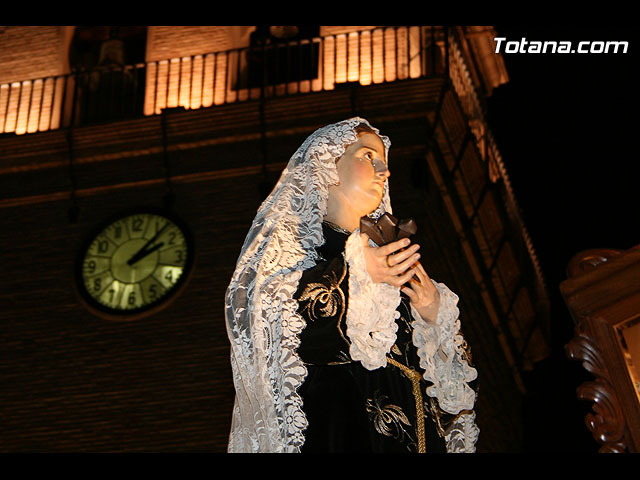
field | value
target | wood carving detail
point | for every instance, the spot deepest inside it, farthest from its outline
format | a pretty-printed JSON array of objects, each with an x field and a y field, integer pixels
[
  {"x": 589, "y": 259},
  {"x": 606, "y": 423}
]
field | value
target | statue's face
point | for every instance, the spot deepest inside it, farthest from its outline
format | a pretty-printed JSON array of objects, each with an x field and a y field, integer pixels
[{"x": 363, "y": 171}]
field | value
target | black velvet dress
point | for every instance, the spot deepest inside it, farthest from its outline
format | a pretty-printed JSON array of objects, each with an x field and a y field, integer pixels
[{"x": 350, "y": 408}]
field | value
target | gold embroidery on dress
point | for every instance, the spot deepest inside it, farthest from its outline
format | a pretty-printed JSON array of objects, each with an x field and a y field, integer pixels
[
  {"x": 467, "y": 353},
  {"x": 434, "y": 411},
  {"x": 328, "y": 300},
  {"x": 341, "y": 359},
  {"x": 442, "y": 420},
  {"x": 387, "y": 418}
]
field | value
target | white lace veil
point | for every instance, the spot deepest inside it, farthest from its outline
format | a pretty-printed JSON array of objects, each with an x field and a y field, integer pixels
[{"x": 261, "y": 313}]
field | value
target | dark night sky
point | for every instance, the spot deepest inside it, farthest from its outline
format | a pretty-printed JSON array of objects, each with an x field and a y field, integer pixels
[{"x": 565, "y": 127}]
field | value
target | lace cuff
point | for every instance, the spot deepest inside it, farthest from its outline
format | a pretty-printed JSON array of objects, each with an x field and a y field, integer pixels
[
  {"x": 462, "y": 435},
  {"x": 440, "y": 348},
  {"x": 371, "y": 312}
]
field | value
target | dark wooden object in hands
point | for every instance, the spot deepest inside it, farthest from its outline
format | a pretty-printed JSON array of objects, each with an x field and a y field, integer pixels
[{"x": 387, "y": 228}]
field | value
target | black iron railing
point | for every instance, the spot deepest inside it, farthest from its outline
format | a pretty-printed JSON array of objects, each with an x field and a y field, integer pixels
[{"x": 310, "y": 65}]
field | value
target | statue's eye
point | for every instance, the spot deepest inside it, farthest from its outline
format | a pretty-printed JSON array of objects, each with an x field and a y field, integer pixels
[
  {"x": 377, "y": 163},
  {"x": 369, "y": 156}
]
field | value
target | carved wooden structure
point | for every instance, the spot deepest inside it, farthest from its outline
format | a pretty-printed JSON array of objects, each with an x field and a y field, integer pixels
[{"x": 603, "y": 295}]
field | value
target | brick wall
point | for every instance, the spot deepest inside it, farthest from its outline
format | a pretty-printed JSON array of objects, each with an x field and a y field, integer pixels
[
  {"x": 31, "y": 52},
  {"x": 165, "y": 42}
]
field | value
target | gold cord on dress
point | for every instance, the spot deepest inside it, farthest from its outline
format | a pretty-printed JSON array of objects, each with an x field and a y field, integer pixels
[{"x": 415, "y": 378}]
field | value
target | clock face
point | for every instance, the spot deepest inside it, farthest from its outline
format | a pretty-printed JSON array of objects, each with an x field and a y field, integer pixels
[{"x": 134, "y": 263}]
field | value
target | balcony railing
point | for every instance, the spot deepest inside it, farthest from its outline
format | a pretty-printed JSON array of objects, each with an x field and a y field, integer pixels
[{"x": 366, "y": 57}]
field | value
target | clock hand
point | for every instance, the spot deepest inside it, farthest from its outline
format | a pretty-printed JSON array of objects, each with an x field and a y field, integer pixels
[
  {"x": 139, "y": 254},
  {"x": 143, "y": 253}
]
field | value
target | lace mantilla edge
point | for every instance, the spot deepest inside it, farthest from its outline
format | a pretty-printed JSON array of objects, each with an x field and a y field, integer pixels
[
  {"x": 254, "y": 426},
  {"x": 440, "y": 348},
  {"x": 371, "y": 313}
]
